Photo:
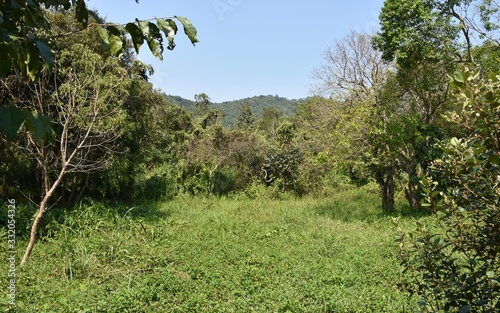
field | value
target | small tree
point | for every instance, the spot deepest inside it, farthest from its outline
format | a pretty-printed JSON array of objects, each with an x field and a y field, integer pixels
[
  {"x": 87, "y": 111},
  {"x": 206, "y": 117},
  {"x": 284, "y": 163},
  {"x": 269, "y": 121},
  {"x": 246, "y": 119},
  {"x": 454, "y": 264}
]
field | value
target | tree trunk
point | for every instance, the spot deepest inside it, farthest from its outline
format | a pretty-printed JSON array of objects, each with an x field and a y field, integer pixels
[
  {"x": 41, "y": 211},
  {"x": 411, "y": 188},
  {"x": 411, "y": 194},
  {"x": 34, "y": 230},
  {"x": 84, "y": 188},
  {"x": 385, "y": 179},
  {"x": 390, "y": 190}
]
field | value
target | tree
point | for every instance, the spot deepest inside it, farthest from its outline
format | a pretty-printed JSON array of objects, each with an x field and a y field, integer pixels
[
  {"x": 437, "y": 30},
  {"x": 155, "y": 140},
  {"x": 201, "y": 100},
  {"x": 269, "y": 121},
  {"x": 223, "y": 160},
  {"x": 86, "y": 107},
  {"x": 282, "y": 165},
  {"x": 316, "y": 122},
  {"x": 453, "y": 262},
  {"x": 246, "y": 118},
  {"x": 26, "y": 39},
  {"x": 206, "y": 117},
  {"x": 423, "y": 38},
  {"x": 429, "y": 40},
  {"x": 352, "y": 70},
  {"x": 355, "y": 75}
]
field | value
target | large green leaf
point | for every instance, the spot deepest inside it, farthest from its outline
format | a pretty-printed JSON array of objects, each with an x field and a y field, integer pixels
[
  {"x": 115, "y": 41},
  {"x": 11, "y": 120},
  {"x": 494, "y": 158},
  {"x": 169, "y": 28},
  {"x": 5, "y": 60},
  {"x": 189, "y": 29},
  {"x": 31, "y": 62},
  {"x": 39, "y": 125},
  {"x": 95, "y": 16},
  {"x": 82, "y": 15},
  {"x": 104, "y": 37},
  {"x": 153, "y": 37},
  {"x": 465, "y": 309},
  {"x": 115, "y": 45},
  {"x": 136, "y": 35},
  {"x": 45, "y": 52},
  {"x": 458, "y": 80}
]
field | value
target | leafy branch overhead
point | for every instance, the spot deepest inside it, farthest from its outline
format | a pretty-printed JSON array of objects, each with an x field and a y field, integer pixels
[
  {"x": 114, "y": 39},
  {"x": 25, "y": 47}
]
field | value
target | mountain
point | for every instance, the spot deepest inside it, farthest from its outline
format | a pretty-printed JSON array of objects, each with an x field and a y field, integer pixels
[{"x": 231, "y": 108}]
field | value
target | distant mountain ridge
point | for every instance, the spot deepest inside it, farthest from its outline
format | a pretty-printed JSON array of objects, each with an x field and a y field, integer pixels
[{"x": 231, "y": 108}]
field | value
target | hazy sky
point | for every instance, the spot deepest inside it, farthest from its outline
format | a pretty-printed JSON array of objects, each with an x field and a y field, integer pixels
[{"x": 247, "y": 47}]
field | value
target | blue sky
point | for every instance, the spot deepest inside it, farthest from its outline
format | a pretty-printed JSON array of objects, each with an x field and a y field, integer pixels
[{"x": 247, "y": 47}]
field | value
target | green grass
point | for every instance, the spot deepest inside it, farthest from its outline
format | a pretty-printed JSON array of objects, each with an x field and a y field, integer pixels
[{"x": 217, "y": 255}]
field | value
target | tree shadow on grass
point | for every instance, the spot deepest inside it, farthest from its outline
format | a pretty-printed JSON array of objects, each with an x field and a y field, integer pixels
[
  {"x": 349, "y": 206},
  {"x": 360, "y": 206},
  {"x": 147, "y": 210},
  {"x": 88, "y": 213}
]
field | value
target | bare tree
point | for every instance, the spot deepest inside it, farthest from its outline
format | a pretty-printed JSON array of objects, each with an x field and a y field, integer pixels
[
  {"x": 88, "y": 118},
  {"x": 354, "y": 74},
  {"x": 352, "y": 70}
]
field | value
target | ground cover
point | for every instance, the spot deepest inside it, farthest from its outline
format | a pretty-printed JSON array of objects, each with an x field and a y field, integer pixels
[{"x": 335, "y": 254}]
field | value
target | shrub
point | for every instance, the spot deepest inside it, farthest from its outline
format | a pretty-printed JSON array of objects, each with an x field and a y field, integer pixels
[{"x": 454, "y": 264}]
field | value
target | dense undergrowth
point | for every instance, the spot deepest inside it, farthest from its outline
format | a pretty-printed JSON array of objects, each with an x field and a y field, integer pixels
[{"x": 194, "y": 254}]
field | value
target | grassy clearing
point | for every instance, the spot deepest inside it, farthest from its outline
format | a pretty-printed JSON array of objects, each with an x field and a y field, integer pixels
[{"x": 217, "y": 255}]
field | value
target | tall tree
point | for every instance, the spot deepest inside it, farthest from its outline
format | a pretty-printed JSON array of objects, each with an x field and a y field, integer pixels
[
  {"x": 269, "y": 121},
  {"x": 428, "y": 40},
  {"x": 354, "y": 74},
  {"x": 423, "y": 37},
  {"x": 282, "y": 162}
]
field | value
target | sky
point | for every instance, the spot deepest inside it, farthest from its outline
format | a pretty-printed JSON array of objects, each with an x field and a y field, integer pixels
[{"x": 247, "y": 47}]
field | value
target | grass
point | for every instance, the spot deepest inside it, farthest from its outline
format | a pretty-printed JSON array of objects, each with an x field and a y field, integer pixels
[{"x": 216, "y": 255}]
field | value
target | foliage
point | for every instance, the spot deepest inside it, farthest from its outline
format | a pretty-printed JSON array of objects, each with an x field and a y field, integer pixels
[
  {"x": 283, "y": 168},
  {"x": 487, "y": 55},
  {"x": 282, "y": 164},
  {"x": 26, "y": 38},
  {"x": 222, "y": 161},
  {"x": 352, "y": 70},
  {"x": 412, "y": 30},
  {"x": 22, "y": 43},
  {"x": 453, "y": 263},
  {"x": 246, "y": 118}
]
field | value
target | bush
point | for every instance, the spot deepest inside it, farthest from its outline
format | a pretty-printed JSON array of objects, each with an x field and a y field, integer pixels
[
  {"x": 159, "y": 183},
  {"x": 454, "y": 264}
]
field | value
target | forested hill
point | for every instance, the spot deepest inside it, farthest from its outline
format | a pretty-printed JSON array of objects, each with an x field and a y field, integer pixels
[{"x": 231, "y": 108}]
